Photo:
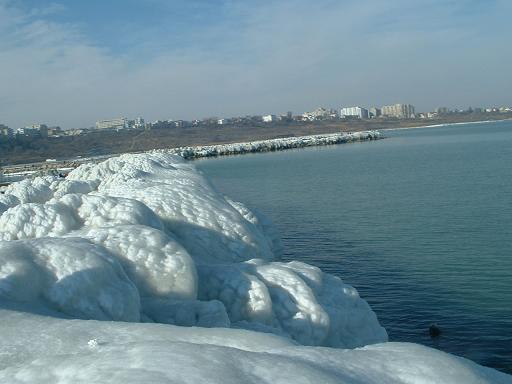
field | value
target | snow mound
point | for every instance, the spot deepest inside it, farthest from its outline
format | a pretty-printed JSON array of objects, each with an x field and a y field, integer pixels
[
  {"x": 35, "y": 190},
  {"x": 293, "y": 299},
  {"x": 72, "y": 276},
  {"x": 147, "y": 238},
  {"x": 43, "y": 350},
  {"x": 157, "y": 264},
  {"x": 7, "y": 201}
]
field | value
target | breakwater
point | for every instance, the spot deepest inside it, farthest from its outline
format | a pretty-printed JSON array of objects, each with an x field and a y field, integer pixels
[
  {"x": 278, "y": 144},
  {"x": 14, "y": 173}
]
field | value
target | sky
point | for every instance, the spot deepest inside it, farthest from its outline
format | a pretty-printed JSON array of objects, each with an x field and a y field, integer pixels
[{"x": 71, "y": 63}]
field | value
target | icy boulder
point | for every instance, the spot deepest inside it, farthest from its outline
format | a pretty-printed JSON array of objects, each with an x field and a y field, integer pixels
[
  {"x": 35, "y": 190},
  {"x": 167, "y": 248},
  {"x": 72, "y": 276},
  {"x": 71, "y": 212},
  {"x": 207, "y": 225},
  {"x": 293, "y": 299},
  {"x": 155, "y": 262},
  {"x": 31, "y": 220},
  {"x": 7, "y": 201}
]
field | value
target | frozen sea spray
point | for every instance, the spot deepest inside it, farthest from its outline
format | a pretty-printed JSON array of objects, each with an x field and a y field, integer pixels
[{"x": 146, "y": 237}]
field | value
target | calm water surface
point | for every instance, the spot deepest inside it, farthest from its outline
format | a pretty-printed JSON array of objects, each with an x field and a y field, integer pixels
[{"x": 420, "y": 223}]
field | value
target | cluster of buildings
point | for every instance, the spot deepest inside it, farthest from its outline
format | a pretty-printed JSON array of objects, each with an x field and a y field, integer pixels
[
  {"x": 43, "y": 130},
  {"x": 443, "y": 111},
  {"x": 398, "y": 111},
  {"x": 215, "y": 121},
  {"x": 35, "y": 130},
  {"x": 395, "y": 111},
  {"x": 318, "y": 114},
  {"x": 121, "y": 123},
  {"x": 5, "y": 131}
]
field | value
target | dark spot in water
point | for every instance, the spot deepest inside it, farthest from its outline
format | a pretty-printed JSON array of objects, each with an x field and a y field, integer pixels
[{"x": 434, "y": 331}]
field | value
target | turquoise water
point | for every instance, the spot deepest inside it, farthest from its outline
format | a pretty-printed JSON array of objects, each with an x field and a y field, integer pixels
[{"x": 420, "y": 223}]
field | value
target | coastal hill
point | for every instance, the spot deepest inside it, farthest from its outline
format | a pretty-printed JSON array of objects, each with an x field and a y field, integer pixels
[{"x": 98, "y": 142}]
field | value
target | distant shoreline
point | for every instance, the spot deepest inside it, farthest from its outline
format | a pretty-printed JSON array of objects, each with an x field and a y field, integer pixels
[
  {"x": 280, "y": 144},
  {"x": 445, "y": 125},
  {"x": 291, "y": 136},
  {"x": 107, "y": 143}
]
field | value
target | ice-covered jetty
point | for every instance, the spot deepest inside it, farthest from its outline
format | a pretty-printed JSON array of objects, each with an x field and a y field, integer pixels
[
  {"x": 278, "y": 144},
  {"x": 146, "y": 238},
  {"x": 145, "y": 242}
]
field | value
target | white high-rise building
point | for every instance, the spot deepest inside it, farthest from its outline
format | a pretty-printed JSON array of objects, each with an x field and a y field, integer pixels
[
  {"x": 121, "y": 122},
  {"x": 359, "y": 112},
  {"x": 319, "y": 114},
  {"x": 27, "y": 131},
  {"x": 41, "y": 128},
  {"x": 269, "y": 118},
  {"x": 401, "y": 111},
  {"x": 5, "y": 131},
  {"x": 139, "y": 123}
]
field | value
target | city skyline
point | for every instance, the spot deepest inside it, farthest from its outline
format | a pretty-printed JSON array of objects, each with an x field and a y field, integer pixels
[
  {"x": 72, "y": 64},
  {"x": 371, "y": 112},
  {"x": 364, "y": 112}
]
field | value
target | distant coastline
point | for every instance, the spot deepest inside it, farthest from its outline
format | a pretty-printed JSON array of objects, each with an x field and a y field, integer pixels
[
  {"x": 111, "y": 142},
  {"x": 280, "y": 144},
  {"x": 19, "y": 172},
  {"x": 232, "y": 147},
  {"x": 446, "y": 124}
]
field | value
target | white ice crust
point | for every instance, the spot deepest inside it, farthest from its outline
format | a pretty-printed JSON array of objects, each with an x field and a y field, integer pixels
[
  {"x": 277, "y": 144},
  {"x": 146, "y": 239},
  {"x": 45, "y": 350}
]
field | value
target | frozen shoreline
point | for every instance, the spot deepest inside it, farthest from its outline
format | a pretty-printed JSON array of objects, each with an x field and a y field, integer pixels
[{"x": 239, "y": 148}]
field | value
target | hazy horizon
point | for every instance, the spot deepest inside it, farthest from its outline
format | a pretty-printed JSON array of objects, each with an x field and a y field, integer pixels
[{"x": 72, "y": 63}]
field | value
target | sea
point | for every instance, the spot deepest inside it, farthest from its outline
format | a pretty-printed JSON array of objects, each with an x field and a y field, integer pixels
[{"x": 419, "y": 222}]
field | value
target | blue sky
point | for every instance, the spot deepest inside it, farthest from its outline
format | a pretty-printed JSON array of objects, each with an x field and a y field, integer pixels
[{"x": 73, "y": 62}]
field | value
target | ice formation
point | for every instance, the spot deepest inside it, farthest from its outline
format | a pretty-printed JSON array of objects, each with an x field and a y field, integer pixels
[
  {"x": 45, "y": 350},
  {"x": 278, "y": 144},
  {"x": 145, "y": 238}
]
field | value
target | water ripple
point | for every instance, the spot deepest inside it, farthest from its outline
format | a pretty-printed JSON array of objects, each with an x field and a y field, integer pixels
[{"x": 419, "y": 223}]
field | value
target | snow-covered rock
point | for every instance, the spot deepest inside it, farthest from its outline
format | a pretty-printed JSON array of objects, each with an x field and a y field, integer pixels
[
  {"x": 183, "y": 253},
  {"x": 277, "y": 144},
  {"x": 72, "y": 275}
]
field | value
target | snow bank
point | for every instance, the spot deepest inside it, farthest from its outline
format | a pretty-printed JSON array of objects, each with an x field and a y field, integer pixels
[
  {"x": 147, "y": 238},
  {"x": 48, "y": 350},
  {"x": 72, "y": 276}
]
